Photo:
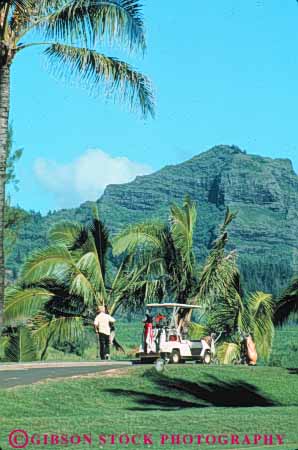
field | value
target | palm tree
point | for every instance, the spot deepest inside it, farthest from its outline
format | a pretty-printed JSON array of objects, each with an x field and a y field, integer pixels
[
  {"x": 227, "y": 308},
  {"x": 250, "y": 315},
  {"x": 167, "y": 250},
  {"x": 287, "y": 304},
  {"x": 61, "y": 286},
  {"x": 69, "y": 31},
  {"x": 216, "y": 287}
]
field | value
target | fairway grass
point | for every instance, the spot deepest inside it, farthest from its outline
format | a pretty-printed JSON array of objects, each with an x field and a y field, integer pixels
[
  {"x": 284, "y": 351},
  {"x": 186, "y": 399}
]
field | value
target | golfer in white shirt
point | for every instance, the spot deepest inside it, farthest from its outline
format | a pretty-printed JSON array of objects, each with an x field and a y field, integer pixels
[{"x": 102, "y": 328}]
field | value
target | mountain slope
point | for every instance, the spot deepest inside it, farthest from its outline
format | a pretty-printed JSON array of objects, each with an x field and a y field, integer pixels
[{"x": 264, "y": 191}]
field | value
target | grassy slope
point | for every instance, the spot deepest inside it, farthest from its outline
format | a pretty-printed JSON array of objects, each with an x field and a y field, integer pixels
[{"x": 140, "y": 401}]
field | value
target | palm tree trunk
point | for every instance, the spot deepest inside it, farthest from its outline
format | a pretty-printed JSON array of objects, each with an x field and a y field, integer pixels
[{"x": 4, "y": 113}]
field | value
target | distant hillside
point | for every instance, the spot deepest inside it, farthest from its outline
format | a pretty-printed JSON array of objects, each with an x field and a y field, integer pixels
[{"x": 264, "y": 191}]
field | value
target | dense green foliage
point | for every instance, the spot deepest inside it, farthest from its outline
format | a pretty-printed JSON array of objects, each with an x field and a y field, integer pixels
[
  {"x": 14, "y": 217},
  {"x": 167, "y": 249},
  {"x": 262, "y": 190},
  {"x": 216, "y": 286},
  {"x": 287, "y": 304},
  {"x": 62, "y": 285}
]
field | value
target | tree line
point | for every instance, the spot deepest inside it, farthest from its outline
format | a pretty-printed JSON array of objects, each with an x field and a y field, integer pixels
[{"x": 61, "y": 285}]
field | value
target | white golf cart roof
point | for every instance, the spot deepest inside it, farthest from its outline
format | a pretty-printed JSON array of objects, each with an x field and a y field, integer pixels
[{"x": 172, "y": 305}]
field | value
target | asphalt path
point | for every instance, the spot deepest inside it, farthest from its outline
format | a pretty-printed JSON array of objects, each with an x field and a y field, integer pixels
[{"x": 12, "y": 375}]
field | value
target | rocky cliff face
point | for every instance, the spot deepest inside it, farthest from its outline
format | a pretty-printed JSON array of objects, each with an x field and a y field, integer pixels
[{"x": 264, "y": 191}]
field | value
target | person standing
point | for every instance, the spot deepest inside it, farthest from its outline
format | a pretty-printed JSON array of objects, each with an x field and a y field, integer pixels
[
  {"x": 148, "y": 333},
  {"x": 102, "y": 328}
]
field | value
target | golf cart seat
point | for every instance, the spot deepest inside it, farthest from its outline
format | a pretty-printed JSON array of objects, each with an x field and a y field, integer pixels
[{"x": 196, "y": 344}]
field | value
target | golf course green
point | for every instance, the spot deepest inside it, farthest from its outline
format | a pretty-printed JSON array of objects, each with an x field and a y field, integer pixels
[{"x": 185, "y": 401}]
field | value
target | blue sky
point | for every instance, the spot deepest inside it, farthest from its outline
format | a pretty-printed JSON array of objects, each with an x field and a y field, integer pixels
[{"x": 224, "y": 71}]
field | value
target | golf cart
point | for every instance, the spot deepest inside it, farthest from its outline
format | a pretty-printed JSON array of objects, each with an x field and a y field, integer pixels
[{"x": 165, "y": 336}]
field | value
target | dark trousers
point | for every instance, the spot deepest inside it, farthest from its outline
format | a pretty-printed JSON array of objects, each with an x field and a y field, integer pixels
[{"x": 104, "y": 345}]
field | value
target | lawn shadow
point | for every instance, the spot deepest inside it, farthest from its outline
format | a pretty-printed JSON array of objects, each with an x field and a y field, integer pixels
[
  {"x": 213, "y": 393},
  {"x": 293, "y": 371}
]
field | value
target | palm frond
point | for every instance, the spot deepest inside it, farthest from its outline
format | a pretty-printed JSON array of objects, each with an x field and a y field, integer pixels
[
  {"x": 121, "y": 81},
  {"x": 229, "y": 217},
  {"x": 220, "y": 274},
  {"x": 88, "y": 265},
  {"x": 261, "y": 310},
  {"x": 139, "y": 235},
  {"x": 101, "y": 241},
  {"x": 40, "y": 329},
  {"x": 197, "y": 331},
  {"x": 132, "y": 289},
  {"x": 287, "y": 304},
  {"x": 228, "y": 314},
  {"x": 66, "y": 233},
  {"x": 60, "y": 330},
  {"x": 53, "y": 261},
  {"x": 62, "y": 303},
  {"x": 92, "y": 20},
  {"x": 21, "y": 304},
  {"x": 228, "y": 352},
  {"x": 20, "y": 346},
  {"x": 24, "y": 19},
  {"x": 183, "y": 221},
  {"x": 21, "y": 4},
  {"x": 67, "y": 329},
  {"x": 3, "y": 344},
  {"x": 87, "y": 281}
]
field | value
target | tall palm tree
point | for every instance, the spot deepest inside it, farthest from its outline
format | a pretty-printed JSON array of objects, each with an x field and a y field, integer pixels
[
  {"x": 69, "y": 31},
  {"x": 61, "y": 286}
]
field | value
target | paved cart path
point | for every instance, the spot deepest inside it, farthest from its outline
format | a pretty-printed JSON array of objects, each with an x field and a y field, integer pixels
[{"x": 12, "y": 375}]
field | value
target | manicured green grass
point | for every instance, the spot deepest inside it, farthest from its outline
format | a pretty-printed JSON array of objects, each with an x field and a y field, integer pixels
[
  {"x": 191, "y": 399},
  {"x": 284, "y": 352},
  {"x": 285, "y": 347}
]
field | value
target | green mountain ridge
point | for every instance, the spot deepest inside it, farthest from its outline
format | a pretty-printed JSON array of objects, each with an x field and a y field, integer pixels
[{"x": 264, "y": 191}]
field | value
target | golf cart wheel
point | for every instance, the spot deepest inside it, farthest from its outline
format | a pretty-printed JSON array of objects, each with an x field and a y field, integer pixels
[
  {"x": 175, "y": 357},
  {"x": 207, "y": 357}
]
